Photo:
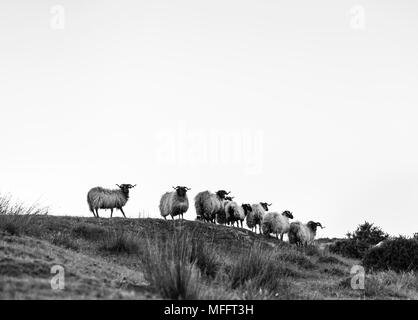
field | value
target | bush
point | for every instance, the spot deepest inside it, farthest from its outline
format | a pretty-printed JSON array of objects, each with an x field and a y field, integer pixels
[
  {"x": 400, "y": 254},
  {"x": 349, "y": 248},
  {"x": 357, "y": 243}
]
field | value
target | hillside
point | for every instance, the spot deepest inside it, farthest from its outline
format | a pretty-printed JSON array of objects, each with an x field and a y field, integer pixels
[{"x": 127, "y": 259}]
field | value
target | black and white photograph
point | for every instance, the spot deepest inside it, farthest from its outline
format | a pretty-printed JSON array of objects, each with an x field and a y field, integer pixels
[{"x": 179, "y": 151}]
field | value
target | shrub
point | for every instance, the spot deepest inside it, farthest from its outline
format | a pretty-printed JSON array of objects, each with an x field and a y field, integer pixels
[
  {"x": 400, "y": 254},
  {"x": 358, "y": 242},
  {"x": 349, "y": 248}
]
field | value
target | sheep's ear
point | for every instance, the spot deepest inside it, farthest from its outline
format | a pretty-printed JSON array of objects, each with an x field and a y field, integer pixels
[
  {"x": 175, "y": 188},
  {"x": 269, "y": 204},
  {"x": 132, "y": 186},
  {"x": 118, "y": 185}
]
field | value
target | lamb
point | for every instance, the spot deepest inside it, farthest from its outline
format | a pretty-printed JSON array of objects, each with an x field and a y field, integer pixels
[
  {"x": 274, "y": 222},
  {"x": 255, "y": 217},
  {"x": 101, "y": 198},
  {"x": 208, "y": 205},
  {"x": 174, "y": 203},
  {"x": 236, "y": 213},
  {"x": 303, "y": 234}
]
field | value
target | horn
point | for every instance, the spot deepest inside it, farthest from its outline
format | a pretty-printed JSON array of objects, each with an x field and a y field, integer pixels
[
  {"x": 118, "y": 185},
  {"x": 269, "y": 204},
  {"x": 188, "y": 188},
  {"x": 320, "y": 225},
  {"x": 228, "y": 192}
]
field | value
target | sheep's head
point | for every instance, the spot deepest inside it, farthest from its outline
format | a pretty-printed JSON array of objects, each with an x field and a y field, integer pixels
[
  {"x": 247, "y": 208},
  {"x": 125, "y": 187},
  {"x": 287, "y": 214},
  {"x": 222, "y": 193},
  {"x": 265, "y": 205},
  {"x": 314, "y": 225},
  {"x": 181, "y": 191}
]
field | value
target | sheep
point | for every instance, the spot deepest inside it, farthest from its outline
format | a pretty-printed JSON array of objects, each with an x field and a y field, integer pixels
[
  {"x": 101, "y": 198},
  {"x": 255, "y": 217},
  {"x": 236, "y": 213},
  {"x": 221, "y": 216},
  {"x": 274, "y": 222},
  {"x": 303, "y": 234},
  {"x": 174, "y": 203},
  {"x": 208, "y": 205}
]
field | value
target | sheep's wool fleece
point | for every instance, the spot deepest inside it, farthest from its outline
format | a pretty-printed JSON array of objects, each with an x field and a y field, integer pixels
[
  {"x": 100, "y": 198},
  {"x": 172, "y": 204},
  {"x": 255, "y": 216},
  {"x": 208, "y": 204},
  {"x": 274, "y": 222},
  {"x": 234, "y": 211},
  {"x": 300, "y": 232}
]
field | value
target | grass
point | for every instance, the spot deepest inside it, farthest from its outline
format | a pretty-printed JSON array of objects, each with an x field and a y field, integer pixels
[
  {"x": 118, "y": 241},
  {"x": 17, "y": 218},
  {"x": 171, "y": 266},
  {"x": 174, "y": 260}
]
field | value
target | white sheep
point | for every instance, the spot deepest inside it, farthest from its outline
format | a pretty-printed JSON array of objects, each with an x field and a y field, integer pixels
[
  {"x": 303, "y": 234},
  {"x": 101, "y": 198},
  {"x": 208, "y": 205},
  {"x": 255, "y": 217},
  {"x": 236, "y": 213},
  {"x": 277, "y": 223},
  {"x": 174, "y": 203}
]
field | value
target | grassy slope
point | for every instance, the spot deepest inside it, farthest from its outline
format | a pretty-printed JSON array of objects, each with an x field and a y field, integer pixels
[{"x": 96, "y": 269}]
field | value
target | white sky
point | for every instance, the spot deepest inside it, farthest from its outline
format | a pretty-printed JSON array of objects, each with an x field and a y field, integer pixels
[{"x": 317, "y": 116}]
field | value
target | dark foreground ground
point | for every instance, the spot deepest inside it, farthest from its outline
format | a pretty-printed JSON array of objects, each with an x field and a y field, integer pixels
[{"x": 156, "y": 259}]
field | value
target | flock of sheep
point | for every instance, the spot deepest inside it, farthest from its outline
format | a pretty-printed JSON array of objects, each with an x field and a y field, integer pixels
[{"x": 215, "y": 208}]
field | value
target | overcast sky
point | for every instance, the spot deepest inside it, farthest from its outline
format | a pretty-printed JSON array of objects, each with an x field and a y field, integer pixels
[{"x": 310, "y": 105}]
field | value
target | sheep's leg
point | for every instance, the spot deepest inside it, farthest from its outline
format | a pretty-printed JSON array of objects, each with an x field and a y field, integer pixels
[
  {"x": 165, "y": 218},
  {"x": 97, "y": 213},
  {"x": 281, "y": 236},
  {"x": 122, "y": 212},
  {"x": 111, "y": 212}
]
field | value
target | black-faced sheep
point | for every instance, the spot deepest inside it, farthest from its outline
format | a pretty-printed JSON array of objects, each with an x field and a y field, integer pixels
[
  {"x": 277, "y": 223},
  {"x": 101, "y": 198},
  {"x": 174, "y": 203},
  {"x": 236, "y": 213},
  {"x": 255, "y": 217},
  {"x": 208, "y": 205},
  {"x": 303, "y": 234}
]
